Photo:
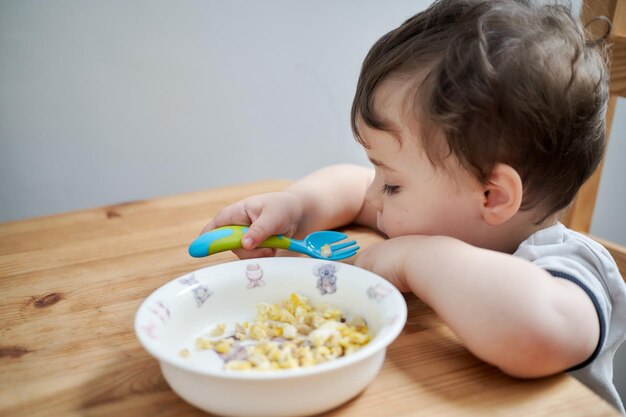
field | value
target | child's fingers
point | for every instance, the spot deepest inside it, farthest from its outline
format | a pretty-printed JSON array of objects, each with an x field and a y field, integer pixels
[
  {"x": 263, "y": 221},
  {"x": 209, "y": 226},
  {"x": 234, "y": 214},
  {"x": 262, "y": 228}
]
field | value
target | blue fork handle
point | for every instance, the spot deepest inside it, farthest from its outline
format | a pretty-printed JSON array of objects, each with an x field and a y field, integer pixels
[{"x": 229, "y": 238}]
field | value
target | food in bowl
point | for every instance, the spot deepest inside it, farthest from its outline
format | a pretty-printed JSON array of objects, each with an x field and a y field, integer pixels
[
  {"x": 193, "y": 306},
  {"x": 287, "y": 335}
]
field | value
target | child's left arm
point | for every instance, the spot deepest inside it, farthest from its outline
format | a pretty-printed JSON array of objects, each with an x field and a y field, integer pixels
[{"x": 506, "y": 310}]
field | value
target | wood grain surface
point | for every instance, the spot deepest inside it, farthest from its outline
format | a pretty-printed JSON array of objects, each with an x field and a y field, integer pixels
[{"x": 71, "y": 285}]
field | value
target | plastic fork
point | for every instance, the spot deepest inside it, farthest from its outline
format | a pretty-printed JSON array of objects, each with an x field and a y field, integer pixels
[{"x": 325, "y": 244}]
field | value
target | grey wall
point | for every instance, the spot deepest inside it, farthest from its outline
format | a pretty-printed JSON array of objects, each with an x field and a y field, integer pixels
[
  {"x": 609, "y": 219},
  {"x": 104, "y": 102}
]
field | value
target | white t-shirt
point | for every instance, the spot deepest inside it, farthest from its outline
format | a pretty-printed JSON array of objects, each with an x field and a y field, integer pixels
[{"x": 577, "y": 258}]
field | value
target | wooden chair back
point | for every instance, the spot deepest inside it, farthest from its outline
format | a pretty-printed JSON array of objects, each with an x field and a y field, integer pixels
[{"x": 580, "y": 214}]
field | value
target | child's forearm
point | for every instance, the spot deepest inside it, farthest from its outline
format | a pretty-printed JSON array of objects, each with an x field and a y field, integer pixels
[
  {"x": 334, "y": 196},
  {"x": 506, "y": 310}
]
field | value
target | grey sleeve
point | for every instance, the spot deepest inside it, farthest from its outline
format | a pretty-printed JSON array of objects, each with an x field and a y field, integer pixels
[{"x": 601, "y": 317}]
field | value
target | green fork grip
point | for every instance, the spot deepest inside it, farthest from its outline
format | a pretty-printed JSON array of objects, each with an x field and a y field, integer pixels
[
  {"x": 233, "y": 241},
  {"x": 278, "y": 242}
]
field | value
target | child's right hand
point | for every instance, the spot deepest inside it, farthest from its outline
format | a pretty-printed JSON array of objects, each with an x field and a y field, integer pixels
[{"x": 278, "y": 213}]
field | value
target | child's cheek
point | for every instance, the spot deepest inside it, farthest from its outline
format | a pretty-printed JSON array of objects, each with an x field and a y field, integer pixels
[
  {"x": 392, "y": 225},
  {"x": 380, "y": 224}
]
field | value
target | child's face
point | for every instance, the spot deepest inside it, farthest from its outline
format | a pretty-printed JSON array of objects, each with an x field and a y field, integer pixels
[{"x": 409, "y": 193}]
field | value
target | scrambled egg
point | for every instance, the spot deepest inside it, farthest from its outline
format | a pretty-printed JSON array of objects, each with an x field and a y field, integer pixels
[
  {"x": 326, "y": 251},
  {"x": 288, "y": 335}
]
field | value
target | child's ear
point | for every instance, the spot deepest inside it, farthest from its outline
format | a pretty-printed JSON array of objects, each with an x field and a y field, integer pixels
[{"x": 502, "y": 195}]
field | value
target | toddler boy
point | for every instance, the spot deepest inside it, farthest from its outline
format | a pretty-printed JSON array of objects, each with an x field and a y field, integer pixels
[{"x": 482, "y": 119}]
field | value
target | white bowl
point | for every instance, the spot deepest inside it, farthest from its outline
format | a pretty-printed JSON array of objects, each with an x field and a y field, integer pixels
[{"x": 177, "y": 313}]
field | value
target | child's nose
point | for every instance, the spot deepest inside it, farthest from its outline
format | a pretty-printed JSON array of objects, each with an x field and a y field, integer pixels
[{"x": 373, "y": 196}]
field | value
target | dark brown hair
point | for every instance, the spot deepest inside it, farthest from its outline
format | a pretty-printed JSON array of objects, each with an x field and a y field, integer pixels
[{"x": 512, "y": 82}]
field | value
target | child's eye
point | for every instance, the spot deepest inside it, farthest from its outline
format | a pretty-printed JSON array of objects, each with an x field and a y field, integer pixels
[{"x": 389, "y": 189}]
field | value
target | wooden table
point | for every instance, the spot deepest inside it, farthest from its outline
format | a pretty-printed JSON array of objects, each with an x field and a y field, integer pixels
[{"x": 71, "y": 285}]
